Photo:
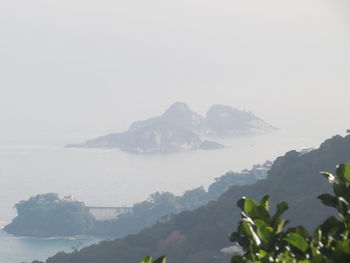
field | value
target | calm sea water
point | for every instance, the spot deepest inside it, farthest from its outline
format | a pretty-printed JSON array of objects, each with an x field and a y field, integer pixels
[
  {"x": 114, "y": 178},
  {"x": 25, "y": 249}
]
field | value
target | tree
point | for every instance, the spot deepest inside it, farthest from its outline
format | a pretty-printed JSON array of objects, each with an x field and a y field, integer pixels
[
  {"x": 263, "y": 238},
  {"x": 47, "y": 215}
]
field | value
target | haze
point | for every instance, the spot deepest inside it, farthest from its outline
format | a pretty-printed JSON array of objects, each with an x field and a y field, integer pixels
[{"x": 75, "y": 69}]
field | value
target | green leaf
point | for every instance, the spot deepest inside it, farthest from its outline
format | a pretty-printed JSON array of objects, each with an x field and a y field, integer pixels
[
  {"x": 342, "y": 252},
  {"x": 264, "y": 202},
  {"x": 262, "y": 253},
  {"x": 347, "y": 172},
  {"x": 300, "y": 230},
  {"x": 328, "y": 200},
  {"x": 249, "y": 206},
  {"x": 161, "y": 260},
  {"x": 281, "y": 208},
  {"x": 260, "y": 223},
  {"x": 249, "y": 231},
  {"x": 237, "y": 259},
  {"x": 252, "y": 210},
  {"x": 341, "y": 189},
  {"x": 147, "y": 259},
  {"x": 343, "y": 206},
  {"x": 279, "y": 225},
  {"x": 297, "y": 241},
  {"x": 331, "y": 226},
  {"x": 246, "y": 229},
  {"x": 340, "y": 171},
  {"x": 319, "y": 259},
  {"x": 240, "y": 203},
  {"x": 260, "y": 212},
  {"x": 266, "y": 234},
  {"x": 343, "y": 172}
]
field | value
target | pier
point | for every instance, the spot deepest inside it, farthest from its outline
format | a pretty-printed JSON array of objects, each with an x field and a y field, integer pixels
[{"x": 102, "y": 213}]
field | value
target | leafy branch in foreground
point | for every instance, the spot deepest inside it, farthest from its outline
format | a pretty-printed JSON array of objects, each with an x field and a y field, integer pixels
[
  {"x": 148, "y": 259},
  {"x": 263, "y": 238}
]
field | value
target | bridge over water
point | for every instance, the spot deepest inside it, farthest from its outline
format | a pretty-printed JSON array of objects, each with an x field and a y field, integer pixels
[{"x": 108, "y": 212}]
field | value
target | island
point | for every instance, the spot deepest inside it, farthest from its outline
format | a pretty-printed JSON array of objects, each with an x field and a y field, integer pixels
[
  {"x": 47, "y": 215},
  {"x": 180, "y": 129}
]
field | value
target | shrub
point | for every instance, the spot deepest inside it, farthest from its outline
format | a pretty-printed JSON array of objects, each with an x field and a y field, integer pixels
[{"x": 264, "y": 239}]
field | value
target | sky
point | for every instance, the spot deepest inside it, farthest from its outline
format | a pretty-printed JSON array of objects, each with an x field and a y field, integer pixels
[{"x": 72, "y": 69}]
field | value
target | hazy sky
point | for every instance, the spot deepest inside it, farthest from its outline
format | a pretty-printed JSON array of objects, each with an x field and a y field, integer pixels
[{"x": 75, "y": 68}]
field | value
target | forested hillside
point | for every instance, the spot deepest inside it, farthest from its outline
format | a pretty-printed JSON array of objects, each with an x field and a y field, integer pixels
[
  {"x": 198, "y": 236},
  {"x": 47, "y": 215},
  {"x": 160, "y": 206}
]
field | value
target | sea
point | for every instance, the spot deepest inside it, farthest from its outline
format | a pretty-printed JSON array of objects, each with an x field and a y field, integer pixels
[{"x": 110, "y": 177}]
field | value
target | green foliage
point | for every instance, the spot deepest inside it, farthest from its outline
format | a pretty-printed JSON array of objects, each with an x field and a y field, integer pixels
[
  {"x": 47, "y": 215},
  {"x": 148, "y": 259},
  {"x": 264, "y": 239}
]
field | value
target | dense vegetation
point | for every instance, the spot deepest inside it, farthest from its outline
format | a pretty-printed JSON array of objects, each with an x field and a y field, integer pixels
[
  {"x": 161, "y": 206},
  {"x": 47, "y": 215},
  {"x": 199, "y": 235},
  {"x": 264, "y": 239}
]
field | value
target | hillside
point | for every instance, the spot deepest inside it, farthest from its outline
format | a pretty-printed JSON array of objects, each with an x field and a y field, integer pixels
[
  {"x": 197, "y": 236},
  {"x": 180, "y": 129},
  {"x": 46, "y": 215},
  {"x": 159, "y": 205}
]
